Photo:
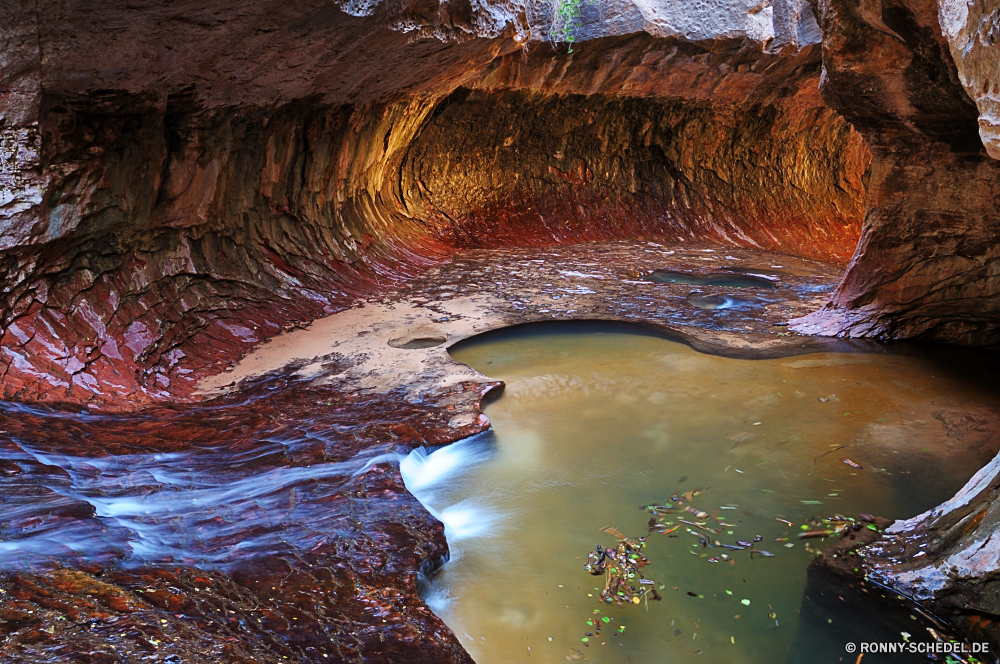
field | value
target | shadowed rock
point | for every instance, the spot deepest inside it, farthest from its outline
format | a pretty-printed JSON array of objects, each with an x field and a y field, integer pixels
[{"x": 180, "y": 183}]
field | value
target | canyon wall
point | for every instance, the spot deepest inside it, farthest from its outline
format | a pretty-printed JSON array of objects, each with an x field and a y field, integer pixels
[
  {"x": 181, "y": 182},
  {"x": 715, "y": 141},
  {"x": 927, "y": 263},
  {"x": 917, "y": 80},
  {"x": 973, "y": 32}
]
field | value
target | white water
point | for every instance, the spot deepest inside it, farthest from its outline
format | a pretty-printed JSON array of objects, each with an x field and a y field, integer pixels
[{"x": 203, "y": 507}]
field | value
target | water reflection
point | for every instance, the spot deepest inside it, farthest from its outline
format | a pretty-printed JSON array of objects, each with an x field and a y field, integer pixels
[
  {"x": 595, "y": 424},
  {"x": 712, "y": 279}
]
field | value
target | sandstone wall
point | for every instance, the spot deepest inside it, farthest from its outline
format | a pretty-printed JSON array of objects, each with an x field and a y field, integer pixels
[
  {"x": 927, "y": 263},
  {"x": 197, "y": 235},
  {"x": 973, "y": 33},
  {"x": 183, "y": 181},
  {"x": 716, "y": 140}
]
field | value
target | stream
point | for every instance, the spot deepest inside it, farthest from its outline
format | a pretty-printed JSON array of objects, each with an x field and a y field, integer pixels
[{"x": 597, "y": 421}]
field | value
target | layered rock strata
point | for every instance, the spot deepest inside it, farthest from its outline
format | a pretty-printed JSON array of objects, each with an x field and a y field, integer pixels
[
  {"x": 179, "y": 183},
  {"x": 221, "y": 175},
  {"x": 301, "y": 543},
  {"x": 715, "y": 140},
  {"x": 973, "y": 32},
  {"x": 302, "y": 553}
]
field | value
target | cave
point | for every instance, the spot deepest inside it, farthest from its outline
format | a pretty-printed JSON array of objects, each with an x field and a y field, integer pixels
[{"x": 246, "y": 241}]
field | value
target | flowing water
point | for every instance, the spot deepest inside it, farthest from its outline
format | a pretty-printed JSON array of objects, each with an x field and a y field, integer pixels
[
  {"x": 262, "y": 473},
  {"x": 597, "y": 421}
]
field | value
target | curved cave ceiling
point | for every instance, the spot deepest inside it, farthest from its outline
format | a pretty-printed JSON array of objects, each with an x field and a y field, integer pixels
[
  {"x": 182, "y": 181},
  {"x": 220, "y": 173},
  {"x": 173, "y": 213},
  {"x": 172, "y": 236}
]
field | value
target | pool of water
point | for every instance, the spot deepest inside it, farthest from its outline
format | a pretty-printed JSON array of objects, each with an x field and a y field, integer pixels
[
  {"x": 722, "y": 279},
  {"x": 598, "y": 421},
  {"x": 715, "y": 301}
]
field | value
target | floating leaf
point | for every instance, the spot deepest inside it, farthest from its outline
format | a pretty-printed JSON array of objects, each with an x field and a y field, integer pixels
[{"x": 614, "y": 532}]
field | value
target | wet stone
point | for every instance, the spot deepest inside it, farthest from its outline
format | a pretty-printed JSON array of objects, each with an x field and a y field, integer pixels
[
  {"x": 710, "y": 302},
  {"x": 721, "y": 279},
  {"x": 303, "y": 541},
  {"x": 417, "y": 343}
]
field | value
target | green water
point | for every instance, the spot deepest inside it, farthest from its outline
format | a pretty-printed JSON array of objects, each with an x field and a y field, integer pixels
[{"x": 595, "y": 423}]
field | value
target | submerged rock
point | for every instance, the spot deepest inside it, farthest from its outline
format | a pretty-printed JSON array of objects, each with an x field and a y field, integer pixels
[{"x": 711, "y": 301}]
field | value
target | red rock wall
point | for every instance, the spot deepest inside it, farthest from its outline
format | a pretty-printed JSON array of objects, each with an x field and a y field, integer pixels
[
  {"x": 176, "y": 231},
  {"x": 639, "y": 135},
  {"x": 198, "y": 237},
  {"x": 181, "y": 181},
  {"x": 209, "y": 181},
  {"x": 927, "y": 264}
]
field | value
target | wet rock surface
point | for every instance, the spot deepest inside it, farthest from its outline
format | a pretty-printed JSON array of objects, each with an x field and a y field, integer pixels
[
  {"x": 222, "y": 173},
  {"x": 221, "y": 177},
  {"x": 305, "y": 540},
  {"x": 836, "y": 579},
  {"x": 943, "y": 562},
  {"x": 946, "y": 558},
  {"x": 481, "y": 290},
  {"x": 289, "y": 547},
  {"x": 926, "y": 263}
]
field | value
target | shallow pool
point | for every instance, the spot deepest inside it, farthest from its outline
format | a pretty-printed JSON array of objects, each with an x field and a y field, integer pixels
[{"x": 598, "y": 421}]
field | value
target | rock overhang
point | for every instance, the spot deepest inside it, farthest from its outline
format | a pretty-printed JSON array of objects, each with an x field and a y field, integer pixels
[
  {"x": 182, "y": 182},
  {"x": 269, "y": 158}
]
